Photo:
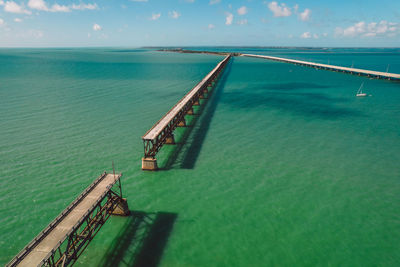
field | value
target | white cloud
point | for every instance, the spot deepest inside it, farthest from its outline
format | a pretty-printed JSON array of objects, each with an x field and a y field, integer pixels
[
  {"x": 12, "y": 7},
  {"x": 97, "y": 27},
  {"x": 38, "y": 4},
  {"x": 213, "y": 2},
  {"x": 1, "y": 22},
  {"x": 83, "y": 6},
  {"x": 306, "y": 35},
  {"x": 18, "y": 20},
  {"x": 295, "y": 8},
  {"x": 242, "y": 22},
  {"x": 305, "y": 15},
  {"x": 351, "y": 31},
  {"x": 174, "y": 14},
  {"x": 372, "y": 29},
  {"x": 355, "y": 29},
  {"x": 211, "y": 26},
  {"x": 155, "y": 16},
  {"x": 42, "y": 6},
  {"x": 384, "y": 28},
  {"x": 242, "y": 10},
  {"x": 309, "y": 35},
  {"x": 59, "y": 8},
  {"x": 279, "y": 10},
  {"x": 229, "y": 18}
]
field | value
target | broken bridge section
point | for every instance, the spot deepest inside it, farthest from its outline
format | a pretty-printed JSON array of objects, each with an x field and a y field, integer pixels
[{"x": 66, "y": 237}]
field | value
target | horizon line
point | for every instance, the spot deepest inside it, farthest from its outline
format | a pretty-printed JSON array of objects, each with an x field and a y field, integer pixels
[{"x": 184, "y": 46}]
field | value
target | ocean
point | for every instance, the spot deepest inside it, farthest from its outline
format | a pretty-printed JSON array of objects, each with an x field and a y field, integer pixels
[{"x": 284, "y": 166}]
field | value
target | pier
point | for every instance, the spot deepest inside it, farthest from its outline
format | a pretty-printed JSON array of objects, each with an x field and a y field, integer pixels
[
  {"x": 354, "y": 71},
  {"x": 162, "y": 132},
  {"x": 66, "y": 237}
]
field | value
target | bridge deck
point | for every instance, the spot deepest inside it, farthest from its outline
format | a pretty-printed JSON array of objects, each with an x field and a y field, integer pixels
[
  {"x": 65, "y": 223},
  {"x": 331, "y": 67},
  {"x": 163, "y": 122}
]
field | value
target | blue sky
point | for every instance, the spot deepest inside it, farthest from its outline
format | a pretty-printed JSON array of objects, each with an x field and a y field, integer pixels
[{"x": 135, "y": 23}]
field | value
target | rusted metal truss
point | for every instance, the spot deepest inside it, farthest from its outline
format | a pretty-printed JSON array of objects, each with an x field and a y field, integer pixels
[
  {"x": 71, "y": 247},
  {"x": 67, "y": 254},
  {"x": 152, "y": 146}
]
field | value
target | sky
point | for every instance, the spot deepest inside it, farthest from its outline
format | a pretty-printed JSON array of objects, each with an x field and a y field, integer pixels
[{"x": 137, "y": 23}]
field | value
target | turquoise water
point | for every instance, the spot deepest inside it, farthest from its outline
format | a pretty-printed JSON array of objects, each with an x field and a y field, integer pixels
[{"x": 285, "y": 166}]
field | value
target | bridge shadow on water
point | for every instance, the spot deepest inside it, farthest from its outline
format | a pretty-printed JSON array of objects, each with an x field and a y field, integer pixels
[
  {"x": 141, "y": 241},
  {"x": 188, "y": 148},
  {"x": 193, "y": 147}
]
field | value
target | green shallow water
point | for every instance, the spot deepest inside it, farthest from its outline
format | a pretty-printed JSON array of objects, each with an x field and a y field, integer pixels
[{"x": 284, "y": 167}]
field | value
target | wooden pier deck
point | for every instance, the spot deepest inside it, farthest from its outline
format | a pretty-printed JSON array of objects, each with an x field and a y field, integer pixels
[
  {"x": 361, "y": 72},
  {"x": 45, "y": 250},
  {"x": 158, "y": 135}
]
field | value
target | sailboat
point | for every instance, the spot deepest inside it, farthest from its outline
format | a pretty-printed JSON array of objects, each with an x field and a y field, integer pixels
[{"x": 360, "y": 92}]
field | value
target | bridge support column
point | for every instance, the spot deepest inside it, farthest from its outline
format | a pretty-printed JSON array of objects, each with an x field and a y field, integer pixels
[
  {"x": 190, "y": 112},
  {"x": 202, "y": 96},
  {"x": 149, "y": 164},
  {"x": 205, "y": 91},
  {"x": 196, "y": 103},
  {"x": 170, "y": 140},
  {"x": 122, "y": 208},
  {"x": 182, "y": 123}
]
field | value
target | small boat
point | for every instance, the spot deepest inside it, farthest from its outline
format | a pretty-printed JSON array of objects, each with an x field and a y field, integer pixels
[{"x": 360, "y": 92}]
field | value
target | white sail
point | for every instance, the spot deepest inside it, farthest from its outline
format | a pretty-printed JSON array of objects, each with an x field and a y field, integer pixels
[{"x": 360, "y": 92}]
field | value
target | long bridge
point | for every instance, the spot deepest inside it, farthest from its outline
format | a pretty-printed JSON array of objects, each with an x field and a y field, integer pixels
[
  {"x": 354, "y": 71},
  {"x": 65, "y": 238},
  {"x": 162, "y": 132}
]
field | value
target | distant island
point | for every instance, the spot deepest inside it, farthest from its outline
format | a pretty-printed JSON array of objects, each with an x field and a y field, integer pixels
[{"x": 181, "y": 50}]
